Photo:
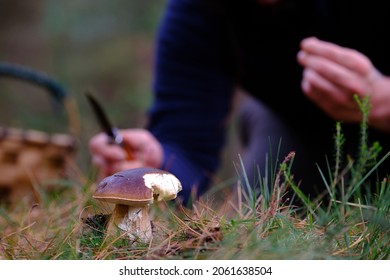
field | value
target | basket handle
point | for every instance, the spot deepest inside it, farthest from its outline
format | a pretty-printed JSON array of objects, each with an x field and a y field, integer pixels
[{"x": 57, "y": 91}]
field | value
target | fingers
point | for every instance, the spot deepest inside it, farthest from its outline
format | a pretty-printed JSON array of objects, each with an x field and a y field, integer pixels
[
  {"x": 335, "y": 73},
  {"x": 147, "y": 148},
  {"x": 345, "y": 67},
  {"x": 329, "y": 98},
  {"x": 100, "y": 145},
  {"x": 136, "y": 138},
  {"x": 328, "y": 90},
  {"x": 348, "y": 58},
  {"x": 105, "y": 155},
  {"x": 332, "y": 76}
]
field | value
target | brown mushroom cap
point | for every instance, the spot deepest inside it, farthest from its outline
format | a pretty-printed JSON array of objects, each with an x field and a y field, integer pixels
[{"x": 137, "y": 187}]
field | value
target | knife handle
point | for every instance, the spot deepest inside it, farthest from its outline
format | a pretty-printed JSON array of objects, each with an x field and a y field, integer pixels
[
  {"x": 117, "y": 138},
  {"x": 128, "y": 150}
]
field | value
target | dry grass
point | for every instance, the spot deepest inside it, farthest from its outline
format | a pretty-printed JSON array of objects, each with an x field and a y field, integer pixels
[
  {"x": 68, "y": 224},
  {"x": 241, "y": 222}
]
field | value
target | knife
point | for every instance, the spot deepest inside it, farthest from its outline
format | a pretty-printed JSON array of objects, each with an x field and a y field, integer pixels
[{"x": 108, "y": 128}]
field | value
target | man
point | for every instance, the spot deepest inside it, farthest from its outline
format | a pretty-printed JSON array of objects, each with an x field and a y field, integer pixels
[{"x": 206, "y": 49}]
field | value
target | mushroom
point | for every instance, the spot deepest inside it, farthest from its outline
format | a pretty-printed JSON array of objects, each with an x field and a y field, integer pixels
[{"x": 132, "y": 191}]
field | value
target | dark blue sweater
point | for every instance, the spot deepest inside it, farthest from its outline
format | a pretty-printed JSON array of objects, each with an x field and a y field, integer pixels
[{"x": 206, "y": 48}]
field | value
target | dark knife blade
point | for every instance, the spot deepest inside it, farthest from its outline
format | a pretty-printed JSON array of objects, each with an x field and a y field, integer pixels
[{"x": 106, "y": 125}]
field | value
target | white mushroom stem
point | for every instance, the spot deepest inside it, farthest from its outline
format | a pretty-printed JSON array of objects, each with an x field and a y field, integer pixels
[{"x": 134, "y": 220}]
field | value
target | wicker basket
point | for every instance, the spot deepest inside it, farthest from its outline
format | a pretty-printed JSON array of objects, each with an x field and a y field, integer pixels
[{"x": 31, "y": 160}]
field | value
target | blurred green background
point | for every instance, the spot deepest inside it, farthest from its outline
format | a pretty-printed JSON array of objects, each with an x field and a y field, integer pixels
[{"x": 99, "y": 45}]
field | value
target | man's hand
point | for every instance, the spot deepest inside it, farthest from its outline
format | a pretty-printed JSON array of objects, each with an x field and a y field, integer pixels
[
  {"x": 111, "y": 158},
  {"x": 334, "y": 74}
]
